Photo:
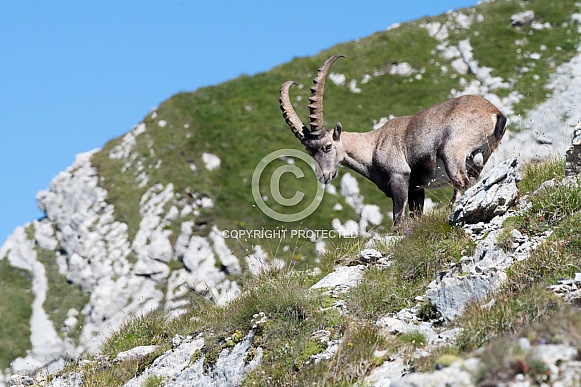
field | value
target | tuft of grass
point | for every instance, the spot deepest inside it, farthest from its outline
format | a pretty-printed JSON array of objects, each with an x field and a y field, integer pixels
[
  {"x": 154, "y": 381},
  {"x": 547, "y": 208},
  {"x": 500, "y": 360},
  {"x": 429, "y": 246},
  {"x": 106, "y": 374},
  {"x": 353, "y": 360},
  {"x": 510, "y": 312},
  {"x": 293, "y": 313},
  {"x": 139, "y": 329},
  {"x": 346, "y": 252},
  {"x": 547, "y": 205},
  {"x": 414, "y": 339},
  {"x": 537, "y": 173}
]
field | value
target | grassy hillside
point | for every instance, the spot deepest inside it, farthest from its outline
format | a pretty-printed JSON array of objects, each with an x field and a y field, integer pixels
[
  {"x": 240, "y": 120},
  {"x": 15, "y": 311},
  {"x": 295, "y": 313}
]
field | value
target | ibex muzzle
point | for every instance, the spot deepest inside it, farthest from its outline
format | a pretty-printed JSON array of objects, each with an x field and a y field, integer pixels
[{"x": 448, "y": 143}]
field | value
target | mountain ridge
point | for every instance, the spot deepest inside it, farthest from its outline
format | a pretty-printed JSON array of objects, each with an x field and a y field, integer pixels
[{"x": 152, "y": 225}]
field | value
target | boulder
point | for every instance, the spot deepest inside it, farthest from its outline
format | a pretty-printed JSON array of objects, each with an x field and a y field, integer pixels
[
  {"x": 490, "y": 197},
  {"x": 522, "y": 18},
  {"x": 451, "y": 295}
]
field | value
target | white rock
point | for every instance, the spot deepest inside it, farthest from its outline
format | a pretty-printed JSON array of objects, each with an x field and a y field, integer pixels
[
  {"x": 370, "y": 254},
  {"x": 348, "y": 276},
  {"x": 160, "y": 247},
  {"x": 337, "y": 79},
  {"x": 44, "y": 235},
  {"x": 403, "y": 69},
  {"x": 350, "y": 191},
  {"x": 353, "y": 87},
  {"x": 524, "y": 18},
  {"x": 211, "y": 161},
  {"x": 452, "y": 294},
  {"x": 136, "y": 352}
]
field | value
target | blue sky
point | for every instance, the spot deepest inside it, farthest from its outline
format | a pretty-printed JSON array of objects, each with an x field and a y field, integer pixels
[{"x": 75, "y": 74}]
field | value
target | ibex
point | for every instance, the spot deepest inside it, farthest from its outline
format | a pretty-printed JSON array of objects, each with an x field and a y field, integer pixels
[{"x": 448, "y": 142}]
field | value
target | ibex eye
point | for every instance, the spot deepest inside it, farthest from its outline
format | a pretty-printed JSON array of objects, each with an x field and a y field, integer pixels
[{"x": 327, "y": 148}]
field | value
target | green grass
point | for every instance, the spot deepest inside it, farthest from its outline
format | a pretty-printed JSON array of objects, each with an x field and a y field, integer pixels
[
  {"x": 564, "y": 327},
  {"x": 240, "y": 120},
  {"x": 61, "y": 296},
  {"x": 523, "y": 306},
  {"x": 15, "y": 312},
  {"x": 523, "y": 299},
  {"x": 429, "y": 246},
  {"x": 537, "y": 173},
  {"x": 148, "y": 329},
  {"x": 547, "y": 209},
  {"x": 493, "y": 43}
]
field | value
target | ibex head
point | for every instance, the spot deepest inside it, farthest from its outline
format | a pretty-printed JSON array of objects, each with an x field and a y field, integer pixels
[{"x": 323, "y": 144}]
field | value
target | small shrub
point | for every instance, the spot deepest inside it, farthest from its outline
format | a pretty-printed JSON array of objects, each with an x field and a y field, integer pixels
[
  {"x": 153, "y": 381},
  {"x": 414, "y": 339},
  {"x": 427, "y": 311},
  {"x": 312, "y": 347}
]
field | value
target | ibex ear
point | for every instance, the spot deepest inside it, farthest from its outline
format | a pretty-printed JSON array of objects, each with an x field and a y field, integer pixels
[{"x": 337, "y": 132}]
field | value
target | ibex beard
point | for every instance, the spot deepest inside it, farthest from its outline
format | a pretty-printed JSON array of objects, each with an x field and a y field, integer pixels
[{"x": 446, "y": 144}]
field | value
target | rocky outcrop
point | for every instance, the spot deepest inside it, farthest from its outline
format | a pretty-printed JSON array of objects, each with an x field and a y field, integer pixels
[
  {"x": 178, "y": 368},
  {"x": 524, "y": 18},
  {"x": 166, "y": 258},
  {"x": 122, "y": 276},
  {"x": 476, "y": 277},
  {"x": 492, "y": 196}
]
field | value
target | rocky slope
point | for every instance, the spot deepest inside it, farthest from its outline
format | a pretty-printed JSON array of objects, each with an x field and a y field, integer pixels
[
  {"x": 482, "y": 212},
  {"x": 129, "y": 229}
]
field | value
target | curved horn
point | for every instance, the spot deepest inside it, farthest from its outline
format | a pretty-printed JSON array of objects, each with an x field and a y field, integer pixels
[
  {"x": 288, "y": 112},
  {"x": 317, "y": 91}
]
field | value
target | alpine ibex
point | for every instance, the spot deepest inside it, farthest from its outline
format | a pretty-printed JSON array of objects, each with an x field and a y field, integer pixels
[{"x": 448, "y": 142}]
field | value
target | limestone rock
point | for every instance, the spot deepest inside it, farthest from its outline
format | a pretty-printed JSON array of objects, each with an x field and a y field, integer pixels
[
  {"x": 136, "y": 352},
  {"x": 490, "y": 197},
  {"x": 178, "y": 369},
  {"x": 573, "y": 154},
  {"x": 451, "y": 296},
  {"x": 522, "y": 18},
  {"x": 343, "y": 276}
]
